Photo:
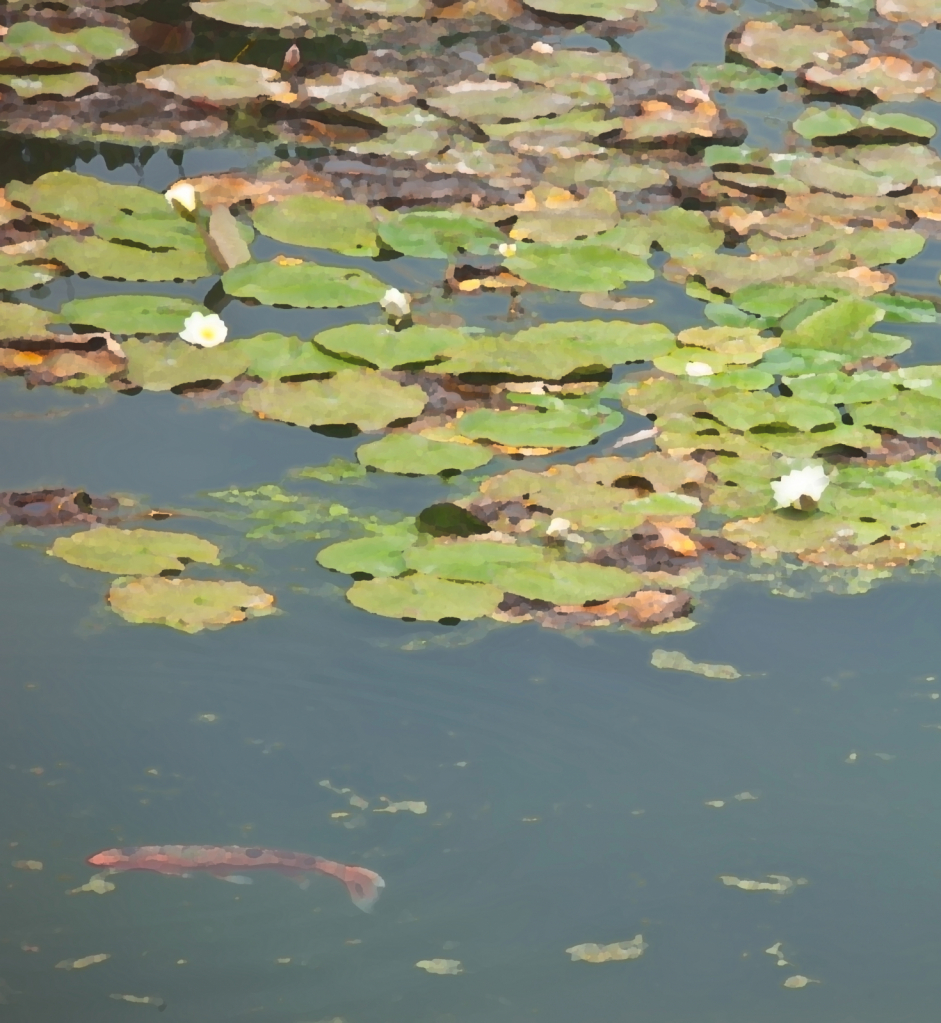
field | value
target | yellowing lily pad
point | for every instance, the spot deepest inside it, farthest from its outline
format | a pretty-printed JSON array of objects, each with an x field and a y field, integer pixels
[
  {"x": 66, "y": 85},
  {"x": 414, "y": 455},
  {"x": 23, "y": 322},
  {"x": 262, "y": 13},
  {"x": 425, "y": 598},
  {"x": 306, "y": 285},
  {"x": 189, "y": 605},
  {"x": 218, "y": 81},
  {"x": 133, "y": 551},
  {"x": 358, "y": 396}
]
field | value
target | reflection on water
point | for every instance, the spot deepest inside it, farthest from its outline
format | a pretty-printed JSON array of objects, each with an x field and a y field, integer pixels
[{"x": 572, "y": 791}]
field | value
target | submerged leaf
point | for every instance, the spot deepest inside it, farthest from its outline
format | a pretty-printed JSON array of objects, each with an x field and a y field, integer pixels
[{"x": 680, "y": 662}]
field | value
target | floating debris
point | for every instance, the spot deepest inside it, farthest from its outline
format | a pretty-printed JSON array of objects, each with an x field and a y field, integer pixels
[
  {"x": 158, "y": 1003},
  {"x": 80, "y": 964},
  {"x": 715, "y": 802},
  {"x": 28, "y": 864},
  {"x": 799, "y": 981},
  {"x": 442, "y": 966},
  {"x": 411, "y": 806},
  {"x": 676, "y": 661},
  {"x": 775, "y": 951},
  {"x": 97, "y": 883},
  {"x": 617, "y": 950},
  {"x": 744, "y": 797},
  {"x": 779, "y": 883}
]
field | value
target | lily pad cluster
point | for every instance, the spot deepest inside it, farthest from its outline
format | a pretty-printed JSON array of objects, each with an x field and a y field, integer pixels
[{"x": 522, "y": 157}]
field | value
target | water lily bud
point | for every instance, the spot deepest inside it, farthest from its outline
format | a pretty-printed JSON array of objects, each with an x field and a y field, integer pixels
[
  {"x": 699, "y": 369},
  {"x": 558, "y": 526},
  {"x": 810, "y": 482},
  {"x": 204, "y": 331},
  {"x": 291, "y": 58},
  {"x": 183, "y": 193},
  {"x": 506, "y": 249},
  {"x": 396, "y": 303},
  {"x": 541, "y": 47}
]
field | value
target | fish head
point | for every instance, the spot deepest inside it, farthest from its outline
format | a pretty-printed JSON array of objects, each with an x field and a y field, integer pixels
[{"x": 108, "y": 858}]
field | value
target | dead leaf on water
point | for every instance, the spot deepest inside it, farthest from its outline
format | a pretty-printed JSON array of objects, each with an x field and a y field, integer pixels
[
  {"x": 414, "y": 807},
  {"x": 141, "y": 1000},
  {"x": 28, "y": 864},
  {"x": 715, "y": 802},
  {"x": 775, "y": 951},
  {"x": 676, "y": 661},
  {"x": 744, "y": 797},
  {"x": 778, "y": 883},
  {"x": 359, "y": 802},
  {"x": 441, "y": 966},
  {"x": 798, "y": 981},
  {"x": 96, "y": 883},
  {"x": 80, "y": 964},
  {"x": 617, "y": 950}
]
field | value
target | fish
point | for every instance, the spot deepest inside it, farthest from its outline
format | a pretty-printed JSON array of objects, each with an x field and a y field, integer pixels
[{"x": 226, "y": 861}]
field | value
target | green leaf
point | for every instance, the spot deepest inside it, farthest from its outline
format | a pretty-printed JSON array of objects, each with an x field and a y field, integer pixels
[
  {"x": 555, "y": 350},
  {"x": 66, "y": 85},
  {"x": 305, "y": 285},
  {"x": 354, "y": 396},
  {"x": 577, "y": 266},
  {"x": 565, "y": 426},
  {"x": 22, "y": 322},
  {"x": 438, "y": 234},
  {"x": 219, "y": 81},
  {"x": 378, "y": 556},
  {"x": 814, "y": 122},
  {"x": 133, "y": 551},
  {"x": 910, "y": 413},
  {"x": 189, "y": 605},
  {"x": 481, "y": 561},
  {"x": 609, "y": 10},
  {"x": 841, "y": 387},
  {"x": 425, "y": 598},
  {"x": 263, "y": 13},
  {"x": 490, "y": 102},
  {"x": 162, "y": 365},
  {"x": 385, "y": 348},
  {"x": 311, "y": 220},
  {"x": 413, "y": 454},
  {"x": 903, "y": 309},
  {"x": 101, "y": 258},
  {"x": 131, "y": 314},
  {"x": 565, "y": 582},
  {"x": 844, "y": 328},
  {"x": 547, "y": 68}
]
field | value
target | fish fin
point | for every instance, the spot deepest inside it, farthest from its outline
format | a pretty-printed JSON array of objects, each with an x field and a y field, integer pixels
[
  {"x": 363, "y": 886},
  {"x": 235, "y": 878}
]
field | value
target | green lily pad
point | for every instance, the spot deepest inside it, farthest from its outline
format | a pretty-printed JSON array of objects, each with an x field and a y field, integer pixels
[
  {"x": 844, "y": 328},
  {"x": 29, "y": 42},
  {"x": 66, "y": 85},
  {"x": 131, "y": 314},
  {"x": 555, "y": 350},
  {"x": 842, "y": 387},
  {"x": 358, "y": 396},
  {"x": 218, "y": 81},
  {"x": 832, "y": 121},
  {"x": 414, "y": 455},
  {"x": 567, "y": 583},
  {"x": 262, "y": 13},
  {"x": 577, "y": 266},
  {"x": 346, "y": 227},
  {"x": 101, "y": 258},
  {"x": 22, "y": 322},
  {"x": 735, "y": 77},
  {"x": 609, "y": 10},
  {"x": 189, "y": 605},
  {"x": 133, "y": 551},
  {"x": 438, "y": 234},
  {"x": 385, "y": 348},
  {"x": 471, "y": 561},
  {"x": 910, "y": 413},
  {"x": 14, "y": 276},
  {"x": 378, "y": 556},
  {"x": 425, "y": 598},
  {"x": 566, "y": 425},
  {"x": 306, "y": 285},
  {"x": 162, "y": 365},
  {"x": 489, "y": 102},
  {"x": 547, "y": 68}
]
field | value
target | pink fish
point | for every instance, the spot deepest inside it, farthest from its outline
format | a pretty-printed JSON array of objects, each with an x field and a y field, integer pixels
[{"x": 226, "y": 860}]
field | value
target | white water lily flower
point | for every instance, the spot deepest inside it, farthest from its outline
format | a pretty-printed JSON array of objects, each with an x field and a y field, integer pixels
[
  {"x": 396, "y": 302},
  {"x": 183, "y": 193},
  {"x": 699, "y": 369},
  {"x": 810, "y": 482},
  {"x": 204, "y": 331}
]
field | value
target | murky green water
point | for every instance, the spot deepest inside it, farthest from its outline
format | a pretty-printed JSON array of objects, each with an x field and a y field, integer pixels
[{"x": 568, "y": 783}]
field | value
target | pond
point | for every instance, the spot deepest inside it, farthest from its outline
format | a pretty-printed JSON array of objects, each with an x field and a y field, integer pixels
[{"x": 578, "y": 578}]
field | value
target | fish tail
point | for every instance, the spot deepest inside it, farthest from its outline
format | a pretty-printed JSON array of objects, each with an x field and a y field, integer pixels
[{"x": 362, "y": 884}]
